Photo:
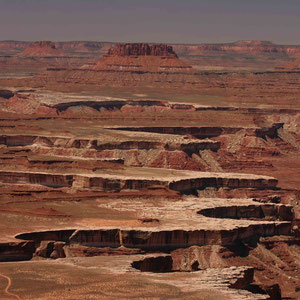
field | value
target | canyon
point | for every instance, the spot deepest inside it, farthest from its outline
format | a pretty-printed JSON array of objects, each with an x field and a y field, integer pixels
[{"x": 127, "y": 171}]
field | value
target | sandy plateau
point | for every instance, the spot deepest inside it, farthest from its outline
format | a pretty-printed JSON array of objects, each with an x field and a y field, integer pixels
[{"x": 131, "y": 172}]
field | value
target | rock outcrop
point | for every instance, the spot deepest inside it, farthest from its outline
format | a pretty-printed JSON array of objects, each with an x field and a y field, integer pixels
[
  {"x": 16, "y": 251},
  {"x": 184, "y": 182},
  {"x": 50, "y": 249},
  {"x": 41, "y": 49},
  {"x": 141, "y": 49},
  {"x": 142, "y": 57}
]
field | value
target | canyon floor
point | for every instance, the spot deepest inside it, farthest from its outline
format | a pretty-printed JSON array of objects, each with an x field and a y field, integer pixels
[{"x": 160, "y": 186}]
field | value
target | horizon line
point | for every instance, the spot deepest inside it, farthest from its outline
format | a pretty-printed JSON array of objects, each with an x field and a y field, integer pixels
[{"x": 144, "y": 42}]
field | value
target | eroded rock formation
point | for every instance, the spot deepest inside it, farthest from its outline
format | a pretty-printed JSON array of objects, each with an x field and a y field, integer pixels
[
  {"x": 142, "y": 57},
  {"x": 140, "y": 49},
  {"x": 211, "y": 187},
  {"x": 40, "y": 49}
]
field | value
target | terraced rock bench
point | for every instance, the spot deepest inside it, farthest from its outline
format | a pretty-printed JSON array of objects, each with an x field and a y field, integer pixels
[
  {"x": 164, "y": 237},
  {"x": 138, "y": 179},
  {"x": 140, "y": 141},
  {"x": 199, "y": 132}
]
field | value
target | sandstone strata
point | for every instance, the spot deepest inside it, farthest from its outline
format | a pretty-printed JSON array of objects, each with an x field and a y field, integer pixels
[{"x": 105, "y": 179}]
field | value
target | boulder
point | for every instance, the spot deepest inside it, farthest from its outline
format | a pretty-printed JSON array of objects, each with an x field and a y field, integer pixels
[{"x": 51, "y": 249}]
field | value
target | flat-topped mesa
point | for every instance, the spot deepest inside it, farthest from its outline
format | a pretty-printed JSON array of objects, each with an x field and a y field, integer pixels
[
  {"x": 41, "y": 49},
  {"x": 141, "y": 57},
  {"x": 254, "y": 42},
  {"x": 138, "y": 49}
]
